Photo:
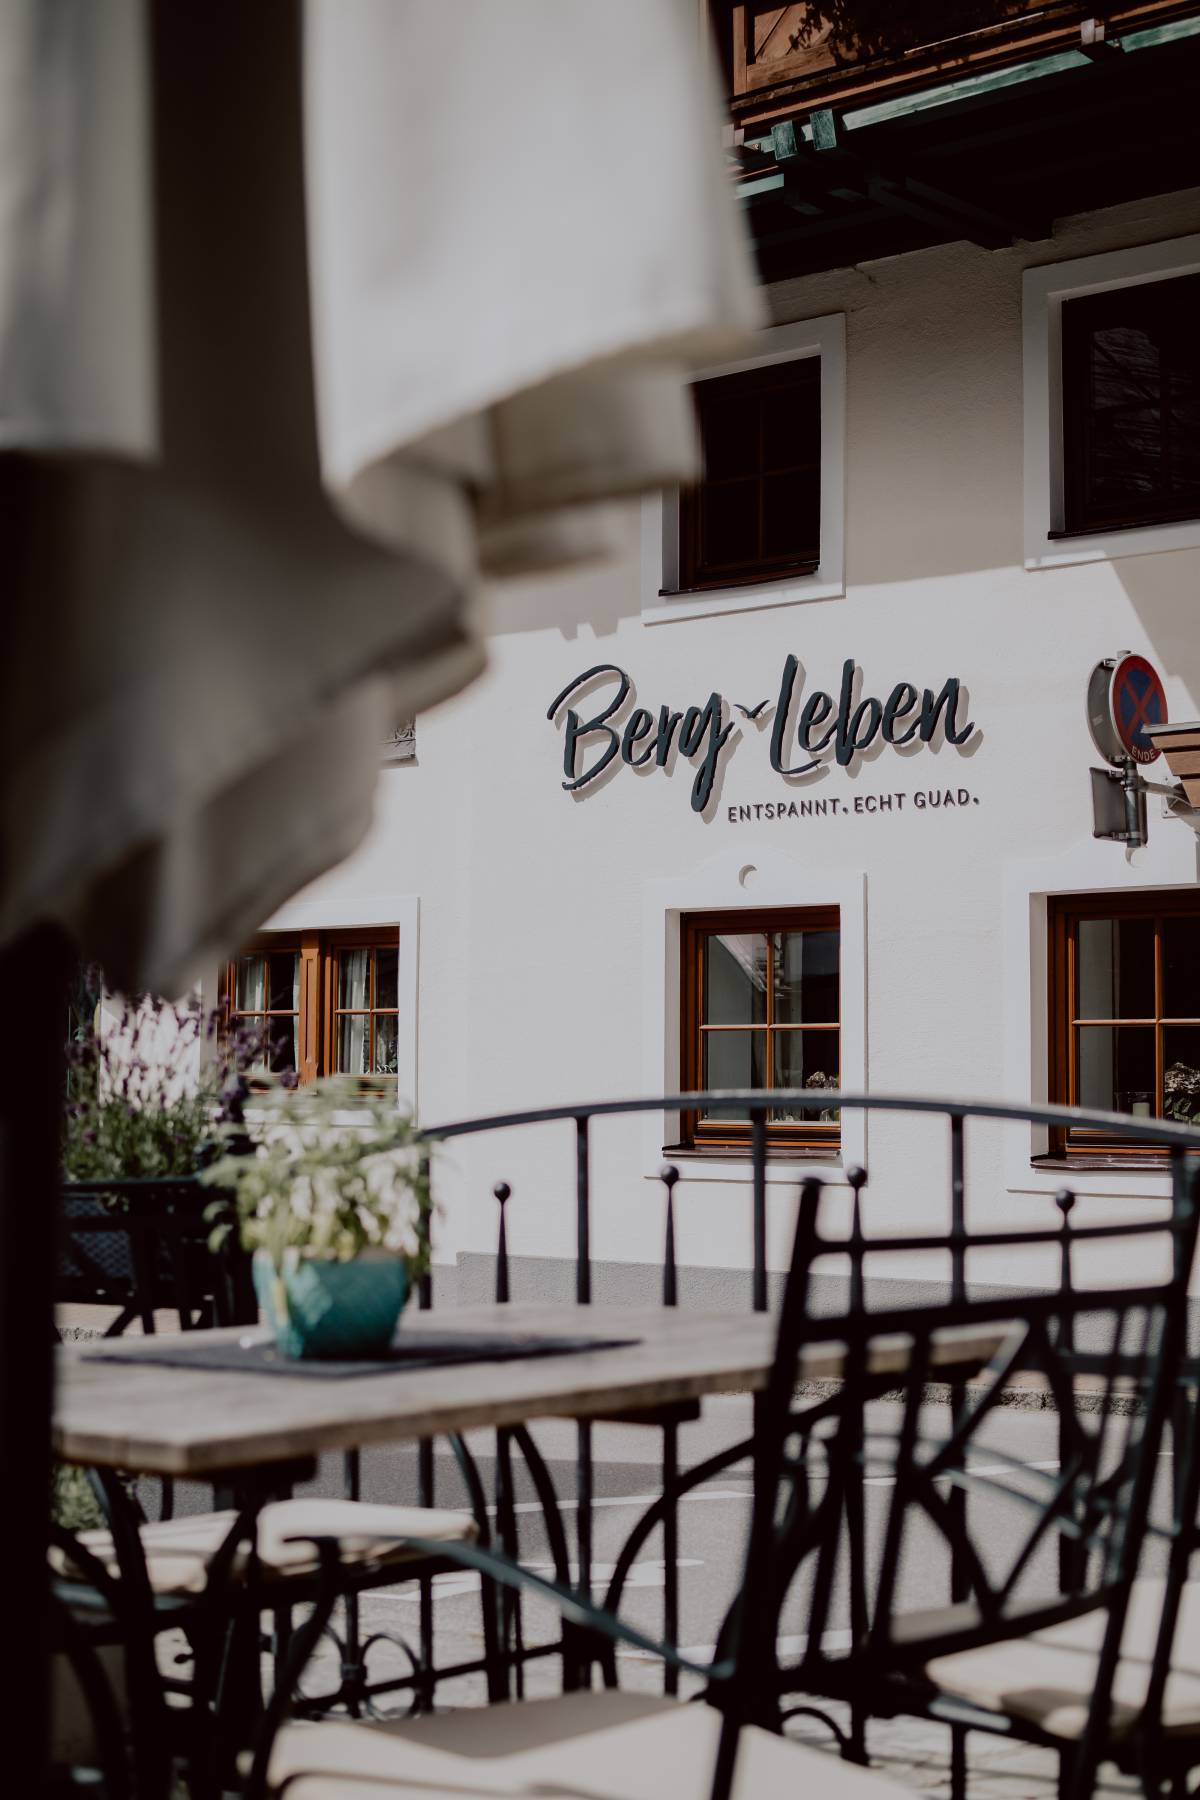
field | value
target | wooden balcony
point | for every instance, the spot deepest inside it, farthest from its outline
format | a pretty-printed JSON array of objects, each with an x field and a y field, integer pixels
[{"x": 860, "y": 130}]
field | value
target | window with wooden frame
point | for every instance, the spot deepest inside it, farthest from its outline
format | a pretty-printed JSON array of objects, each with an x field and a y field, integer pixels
[
  {"x": 1131, "y": 406},
  {"x": 1124, "y": 1012},
  {"x": 761, "y": 1008},
  {"x": 756, "y": 515},
  {"x": 327, "y": 1003}
]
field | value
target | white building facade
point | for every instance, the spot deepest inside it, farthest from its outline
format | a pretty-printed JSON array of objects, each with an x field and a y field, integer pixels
[{"x": 550, "y": 941}]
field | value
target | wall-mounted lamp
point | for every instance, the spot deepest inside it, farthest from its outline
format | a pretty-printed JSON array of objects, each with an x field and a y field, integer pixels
[{"x": 1180, "y": 744}]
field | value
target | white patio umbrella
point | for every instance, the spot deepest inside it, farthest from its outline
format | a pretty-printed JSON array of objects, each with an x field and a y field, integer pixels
[
  {"x": 303, "y": 330},
  {"x": 308, "y": 317}
]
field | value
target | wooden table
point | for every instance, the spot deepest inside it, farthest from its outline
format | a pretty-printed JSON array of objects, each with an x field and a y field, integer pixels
[
  {"x": 243, "y": 1428},
  {"x": 162, "y": 1420}
]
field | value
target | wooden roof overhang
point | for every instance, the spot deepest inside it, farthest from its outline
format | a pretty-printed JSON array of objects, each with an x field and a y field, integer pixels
[{"x": 992, "y": 157}]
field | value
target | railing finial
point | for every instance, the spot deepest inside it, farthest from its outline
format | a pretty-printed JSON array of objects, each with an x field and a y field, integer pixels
[
  {"x": 669, "y": 1175},
  {"x": 502, "y": 1192},
  {"x": 856, "y": 1180}
]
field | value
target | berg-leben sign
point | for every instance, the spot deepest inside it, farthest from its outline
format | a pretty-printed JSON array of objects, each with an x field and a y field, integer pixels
[{"x": 805, "y": 732}]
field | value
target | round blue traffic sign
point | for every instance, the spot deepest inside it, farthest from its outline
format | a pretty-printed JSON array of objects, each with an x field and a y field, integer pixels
[{"x": 1136, "y": 699}]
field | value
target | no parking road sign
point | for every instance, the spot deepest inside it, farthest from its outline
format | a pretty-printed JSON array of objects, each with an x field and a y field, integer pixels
[{"x": 1125, "y": 695}]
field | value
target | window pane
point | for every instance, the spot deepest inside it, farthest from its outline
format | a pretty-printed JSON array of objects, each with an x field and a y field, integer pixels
[
  {"x": 729, "y": 433},
  {"x": 353, "y": 966},
  {"x": 284, "y": 980},
  {"x": 1183, "y": 423},
  {"x": 735, "y": 980},
  {"x": 1125, "y": 426},
  {"x": 1181, "y": 1073},
  {"x": 1181, "y": 968},
  {"x": 387, "y": 977},
  {"x": 352, "y": 1045},
  {"x": 805, "y": 1059},
  {"x": 729, "y": 523},
  {"x": 1116, "y": 969},
  {"x": 1136, "y": 411},
  {"x": 385, "y": 1044},
  {"x": 792, "y": 516},
  {"x": 732, "y": 1059},
  {"x": 792, "y": 426},
  {"x": 806, "y": 977},
  {"x": 251, "y": 983},
  {"x": 281, "y": 1043},
  {"x": 1116, "y": 1068},
  {"x": 254, "y": 1039}
]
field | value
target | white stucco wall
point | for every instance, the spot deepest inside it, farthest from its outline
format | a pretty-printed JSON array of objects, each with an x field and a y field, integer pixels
[{"x": 544, "y": 972}]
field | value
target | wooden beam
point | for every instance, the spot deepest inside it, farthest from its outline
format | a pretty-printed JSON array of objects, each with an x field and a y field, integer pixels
[
  {"x": 857, "y": 170},
  {"x": 959, "y": 217}
]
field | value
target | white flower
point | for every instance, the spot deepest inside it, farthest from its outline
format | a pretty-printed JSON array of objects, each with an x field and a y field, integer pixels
[{"x": 331, "y": 1180}]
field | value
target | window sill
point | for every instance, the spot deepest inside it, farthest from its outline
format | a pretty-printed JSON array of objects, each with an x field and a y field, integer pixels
[
  {"x": 723, "y": 584},
  {"x": 1052, "y": 548},
  {"x": 1103, "y": 528},
  {"x": 778, "y": 1153},
  {"x": 750, "y": 596},
  {"x": 1117, "y": 1162}
]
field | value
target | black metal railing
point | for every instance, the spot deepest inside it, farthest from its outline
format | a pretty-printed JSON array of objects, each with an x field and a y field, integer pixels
[
  {"x": 810, "y": 1460},
  {"x": 1179, "y": 1144},
  {"x": 1061, "y": 1239}
]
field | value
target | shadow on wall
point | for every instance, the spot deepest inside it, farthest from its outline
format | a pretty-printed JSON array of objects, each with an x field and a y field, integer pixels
[
  {"x": 1164, "y": 591},
  {"x": 934, "y": 416},
  {"x": 934, "y": 429},
  {"x": 598, "y": 594}
]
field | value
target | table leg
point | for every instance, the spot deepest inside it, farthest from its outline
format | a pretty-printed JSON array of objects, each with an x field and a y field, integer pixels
[
  {"x": 584, "y": 1480},
  {"x": 425, "y": 1483},
  {"x": 670, "y": 1476}
]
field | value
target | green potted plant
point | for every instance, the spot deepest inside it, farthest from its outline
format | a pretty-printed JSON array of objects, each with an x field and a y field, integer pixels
[{"x": 334, "y": 1205}]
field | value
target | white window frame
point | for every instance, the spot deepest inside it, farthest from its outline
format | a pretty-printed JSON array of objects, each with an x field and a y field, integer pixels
[
  {"x": 1089, "y": 866},
  {"x": 1045, "y": 289},
  {"x": 754, "y": 877},
  {"x": 826, "y": 338}
]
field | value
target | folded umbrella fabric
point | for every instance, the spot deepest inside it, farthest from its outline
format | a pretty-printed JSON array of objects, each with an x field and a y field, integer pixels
[{"x": 309, "y": 319}]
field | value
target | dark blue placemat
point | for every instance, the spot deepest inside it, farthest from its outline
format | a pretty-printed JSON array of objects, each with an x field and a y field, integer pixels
[{"x": 414, "y": 1347}]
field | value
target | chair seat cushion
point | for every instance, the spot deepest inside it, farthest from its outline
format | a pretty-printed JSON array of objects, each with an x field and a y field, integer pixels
[
  {"x": 178, "y": 1551},
  {"x": 607, "y": 1746},
  {"x": 1048, "y": 1676}
]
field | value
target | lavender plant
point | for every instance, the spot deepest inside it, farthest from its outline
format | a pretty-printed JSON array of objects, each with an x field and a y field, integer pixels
[{"x": 148, "y": 1083}]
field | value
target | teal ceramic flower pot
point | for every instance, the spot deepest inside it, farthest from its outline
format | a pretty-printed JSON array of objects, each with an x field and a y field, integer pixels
[{"x": 319, "y": 1308}]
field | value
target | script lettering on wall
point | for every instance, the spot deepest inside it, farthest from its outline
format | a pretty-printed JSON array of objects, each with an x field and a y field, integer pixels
[{"x": 601, "y": 729}]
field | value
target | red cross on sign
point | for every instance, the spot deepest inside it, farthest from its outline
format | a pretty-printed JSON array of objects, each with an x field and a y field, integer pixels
[{"x": 1136, "y": 699}]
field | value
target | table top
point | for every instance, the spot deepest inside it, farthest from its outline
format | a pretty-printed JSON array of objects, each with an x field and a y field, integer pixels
[{"x": 162, "y": 1420}]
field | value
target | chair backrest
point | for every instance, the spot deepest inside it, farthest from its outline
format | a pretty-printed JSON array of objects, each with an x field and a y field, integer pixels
[
  {"x": 142, "y": 1246},
  {"x": 810, "y": 1464}
]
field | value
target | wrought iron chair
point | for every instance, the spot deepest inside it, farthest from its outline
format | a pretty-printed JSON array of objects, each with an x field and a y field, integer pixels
[
  {"x": 957, "y": 1242},
  {"x": 143, "y": 1246},
  {"x": 1082, "y": 1666},
  {"x": 662, "y": 1515},
  {"x": 1154, "y": 1730},
  {"x": 611, "y": 1745}
]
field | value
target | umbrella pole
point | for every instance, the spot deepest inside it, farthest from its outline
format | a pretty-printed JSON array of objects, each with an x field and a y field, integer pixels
[{"x": 35, "y": 972}]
